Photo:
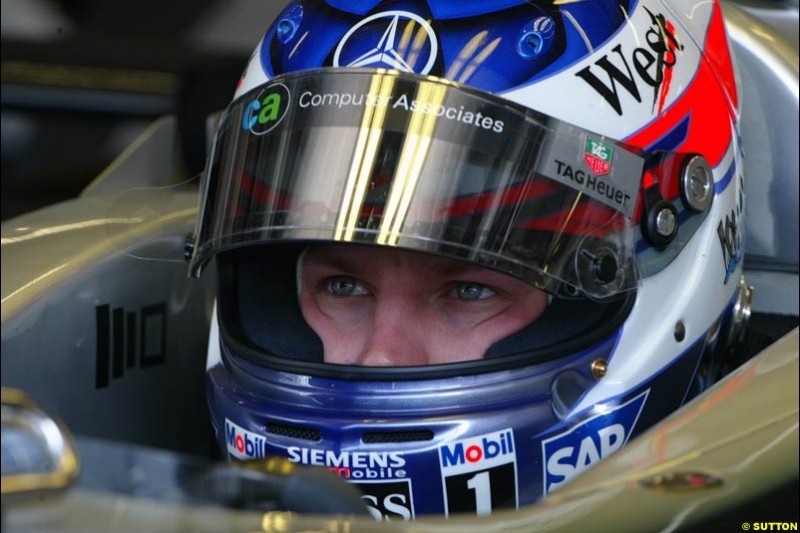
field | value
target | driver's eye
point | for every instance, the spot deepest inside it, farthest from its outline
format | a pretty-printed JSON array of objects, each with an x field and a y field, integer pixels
[
  {"x": 465, "y": 290},
  {"x": 345, "y": 286}
]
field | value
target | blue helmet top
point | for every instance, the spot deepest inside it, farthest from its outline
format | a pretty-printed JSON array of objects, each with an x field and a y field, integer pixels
[{"x": 495, "y": 46}]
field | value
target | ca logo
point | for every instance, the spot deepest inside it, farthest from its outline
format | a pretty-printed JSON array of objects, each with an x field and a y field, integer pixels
[{"x": 267, "y": 110}]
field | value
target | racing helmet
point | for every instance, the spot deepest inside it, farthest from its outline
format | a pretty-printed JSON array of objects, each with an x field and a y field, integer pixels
[{"x": 589, "y": 149}]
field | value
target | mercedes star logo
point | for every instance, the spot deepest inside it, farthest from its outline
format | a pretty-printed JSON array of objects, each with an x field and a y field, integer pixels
[{"x": 384, "y": 53}]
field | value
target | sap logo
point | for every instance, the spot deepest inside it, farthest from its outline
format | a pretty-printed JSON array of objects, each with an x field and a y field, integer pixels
[
  {"x": 570, "y": 453},
  {"x": 653, "y": 66},
  {"x": 388, "y": 501},
  {"x": 267, "y": 110},
  {"x": 485, "y": 450},
  {"x": 242, "y": 444}
]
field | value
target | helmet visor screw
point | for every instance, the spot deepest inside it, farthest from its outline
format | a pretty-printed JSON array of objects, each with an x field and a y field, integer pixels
[
  {"x": 666, "y": 222},
  {"x": 697, "y": 184},
  {"x": 599, "y": 368},
  {"x": 680, "y": 331}
]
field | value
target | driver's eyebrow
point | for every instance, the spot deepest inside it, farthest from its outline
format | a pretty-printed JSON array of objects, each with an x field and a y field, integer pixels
[
  {"x": 454, "y": 268},
  {"x": 343, "y": 261},
  {"x": 333, "y": 260}
]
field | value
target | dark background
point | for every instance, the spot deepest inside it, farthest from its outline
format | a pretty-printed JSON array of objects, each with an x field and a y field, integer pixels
[{"x": 81, "y": 79}]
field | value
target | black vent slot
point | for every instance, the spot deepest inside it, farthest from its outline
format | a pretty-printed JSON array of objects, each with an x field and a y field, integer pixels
[
  {"x": 386, "y": 437},
  {"x": 294, "y": 432}
]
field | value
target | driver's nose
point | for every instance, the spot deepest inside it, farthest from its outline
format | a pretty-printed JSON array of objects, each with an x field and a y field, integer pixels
[{"x": 397, "y": 333}]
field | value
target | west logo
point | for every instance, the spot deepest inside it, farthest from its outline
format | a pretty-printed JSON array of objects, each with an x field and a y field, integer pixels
[
  {"x": 267, "y": 110},
  {"x": 652, "y": 65},
  {"x": 730, "y": 235},
  {"x": 570, "y": 453},
  {"x": 730, "y": 239}
]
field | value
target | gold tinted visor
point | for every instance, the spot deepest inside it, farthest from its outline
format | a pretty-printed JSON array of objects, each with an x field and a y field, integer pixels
[{"x": 391, "y": 159}]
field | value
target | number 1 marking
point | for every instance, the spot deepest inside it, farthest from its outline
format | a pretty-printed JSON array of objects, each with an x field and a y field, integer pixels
[{"x": 483, "y": 493}]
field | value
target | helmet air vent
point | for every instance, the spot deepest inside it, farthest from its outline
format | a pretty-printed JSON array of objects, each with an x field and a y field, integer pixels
[
  {"x": 294, "y": 432},
  {"x": 386, "y": 437}
]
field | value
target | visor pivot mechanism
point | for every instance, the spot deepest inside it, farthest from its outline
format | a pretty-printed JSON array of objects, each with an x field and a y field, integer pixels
[
  {"x": 660, "y": 218},
  {"x": 604, "y": 266},
  {"x": 188, "y": 247},
  {"x": 697, "y": 183}
]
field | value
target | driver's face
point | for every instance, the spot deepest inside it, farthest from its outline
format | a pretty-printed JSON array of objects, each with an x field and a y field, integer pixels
[{"x": 384, "y": 307}]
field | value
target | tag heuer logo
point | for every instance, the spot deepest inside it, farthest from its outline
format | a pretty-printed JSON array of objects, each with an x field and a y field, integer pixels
[{"x": 598, "y": 156}]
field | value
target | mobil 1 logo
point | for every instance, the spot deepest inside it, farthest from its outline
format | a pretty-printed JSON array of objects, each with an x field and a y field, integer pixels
[
  {"x": 479, "y": 474},
  {"x": 388, "y": 501}
]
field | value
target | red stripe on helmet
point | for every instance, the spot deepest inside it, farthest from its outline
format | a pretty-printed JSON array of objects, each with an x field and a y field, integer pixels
[
  {"x": 500, "y": 198},
  {"x": 589, "y": 218},
  {"x": 710, "y": 96}
]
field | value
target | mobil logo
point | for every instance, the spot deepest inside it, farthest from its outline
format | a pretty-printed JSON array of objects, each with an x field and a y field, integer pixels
[
  {"x": 481, "y": 451},
  {"x": 479, "y": 474},
  {"x": 568, "y": 454},
  {"x": 242, "y": 444}
]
